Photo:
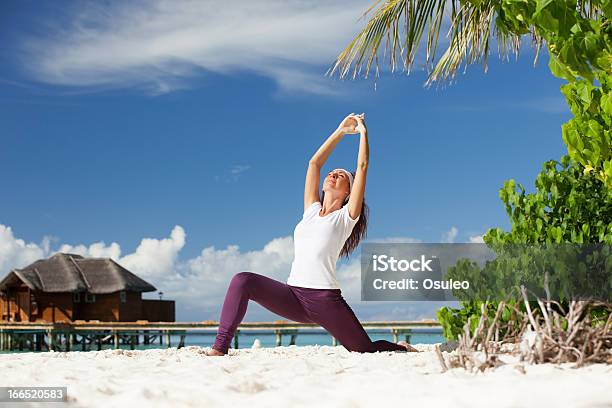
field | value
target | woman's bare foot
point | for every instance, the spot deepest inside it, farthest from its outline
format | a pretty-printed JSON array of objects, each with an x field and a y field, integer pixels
[
  {"x": 408, "y": 347},
  {"x": 214, "y": 352}
]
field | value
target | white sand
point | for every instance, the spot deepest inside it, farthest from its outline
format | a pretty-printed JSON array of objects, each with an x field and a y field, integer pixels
[{"x": 312, "y": 376}]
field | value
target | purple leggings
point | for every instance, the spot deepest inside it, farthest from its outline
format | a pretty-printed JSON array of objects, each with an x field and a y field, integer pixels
[{"x": 325, "y": 307}]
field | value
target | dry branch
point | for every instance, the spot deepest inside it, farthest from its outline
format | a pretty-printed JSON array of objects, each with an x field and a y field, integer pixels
[{"x": 544, "y": 334}]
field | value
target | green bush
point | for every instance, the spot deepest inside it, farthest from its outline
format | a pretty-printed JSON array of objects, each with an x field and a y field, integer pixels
[{"x": 572, "y": 202}]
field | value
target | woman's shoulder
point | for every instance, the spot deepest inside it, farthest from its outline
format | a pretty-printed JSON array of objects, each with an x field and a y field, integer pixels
[
  {"x": 347, "y": 214},
  {"x": 311, "y": 208}
]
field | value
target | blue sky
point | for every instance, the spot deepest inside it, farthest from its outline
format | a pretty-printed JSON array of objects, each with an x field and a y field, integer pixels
[{"x": 118, "y": 127}]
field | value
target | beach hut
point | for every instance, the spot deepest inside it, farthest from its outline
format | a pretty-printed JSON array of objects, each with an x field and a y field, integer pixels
[{"x": 68, "y": 287}]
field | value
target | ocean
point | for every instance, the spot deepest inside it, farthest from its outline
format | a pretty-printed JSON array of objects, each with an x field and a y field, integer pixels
[
  {"x": 268, "y": 339},
  {"x": 245, "y": 340}
]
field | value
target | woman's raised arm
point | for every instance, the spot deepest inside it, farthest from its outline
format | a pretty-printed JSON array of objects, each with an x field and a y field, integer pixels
[
  {"x": 313, "y": 174},
  {"x": 356, "y": 197}
]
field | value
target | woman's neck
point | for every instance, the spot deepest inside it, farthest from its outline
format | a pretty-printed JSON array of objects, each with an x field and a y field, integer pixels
[{"x": 330, "y": 205}]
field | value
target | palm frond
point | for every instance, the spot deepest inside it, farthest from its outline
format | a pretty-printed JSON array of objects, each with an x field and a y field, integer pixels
[
  {"x": 402, "y": 40},
  {"x": 402, "y": 24},
  {"x": 470, "y": 39}
]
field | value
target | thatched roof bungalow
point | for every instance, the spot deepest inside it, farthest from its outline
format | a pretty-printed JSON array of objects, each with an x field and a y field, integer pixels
[{"x": 68, "y": 287}]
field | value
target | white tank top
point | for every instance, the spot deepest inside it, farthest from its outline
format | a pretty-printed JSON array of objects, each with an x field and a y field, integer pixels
[{"x": 318, "y": 241}]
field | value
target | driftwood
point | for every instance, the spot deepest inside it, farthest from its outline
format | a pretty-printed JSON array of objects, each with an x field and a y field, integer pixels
[{"x": 546, "y": 334}]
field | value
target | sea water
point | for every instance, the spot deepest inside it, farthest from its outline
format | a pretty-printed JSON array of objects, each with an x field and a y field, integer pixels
[
  {"x": 267, "y": 339},
  {"x": 304, "y": 338}
]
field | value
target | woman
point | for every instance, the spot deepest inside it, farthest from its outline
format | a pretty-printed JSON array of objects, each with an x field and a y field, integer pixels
[{"x": 331, "y": 226}]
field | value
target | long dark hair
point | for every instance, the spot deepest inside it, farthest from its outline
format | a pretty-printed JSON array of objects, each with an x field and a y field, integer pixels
[{"x": 360, "y": 229}]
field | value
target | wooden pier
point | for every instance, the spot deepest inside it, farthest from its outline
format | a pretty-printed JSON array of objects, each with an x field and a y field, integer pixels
[{"x": 90, "y": 335}]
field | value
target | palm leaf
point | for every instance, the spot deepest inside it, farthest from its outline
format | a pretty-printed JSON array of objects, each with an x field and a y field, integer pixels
[{"x": 402, "y": 25}]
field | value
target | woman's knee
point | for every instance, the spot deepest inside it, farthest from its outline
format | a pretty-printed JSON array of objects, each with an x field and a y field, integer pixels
[{"x": 243, "y": 279}]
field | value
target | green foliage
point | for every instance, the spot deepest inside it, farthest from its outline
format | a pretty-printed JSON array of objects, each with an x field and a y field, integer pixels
[
  {"x": 453, "y": 320},
  {"x": 588, "y": 136},
  {"x": 579, "y": 40},
  {"x": 569, "y": 205},
  {"x": 569, "y": 271}
]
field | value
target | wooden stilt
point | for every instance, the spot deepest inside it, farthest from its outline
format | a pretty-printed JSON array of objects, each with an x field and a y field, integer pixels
[
  {"x": 51, "y": 340},
  {"x": 279, "y": 338}
]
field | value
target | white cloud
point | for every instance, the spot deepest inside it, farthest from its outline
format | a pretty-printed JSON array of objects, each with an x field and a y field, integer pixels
[
  {"x": 96, "y": 250},
  {"x": 239, "y": 168},
  {"x": 161, "y": 44},
  {"x": 233, "y": 174},
  {"x": 16, "y": 252},
  {"x": 476, "y": 239},
  {"x": 219, "y": 264},
  {"x": 349, "y": 278},
  {"x": 155, "y": 258},
  {"x": 450, "y": 235}
]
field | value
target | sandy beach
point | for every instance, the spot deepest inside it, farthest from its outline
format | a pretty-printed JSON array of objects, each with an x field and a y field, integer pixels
[{"x": 298, "y": 376}]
